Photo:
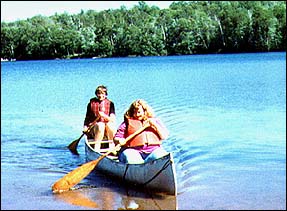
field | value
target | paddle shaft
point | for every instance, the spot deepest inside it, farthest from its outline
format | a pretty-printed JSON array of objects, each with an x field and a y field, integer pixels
[
  {"x": 73, "y": 146},
  {"x": 118, "y": 146},
  {"x": 127, "y": 139},
  {"x": 75, "y": 176}
]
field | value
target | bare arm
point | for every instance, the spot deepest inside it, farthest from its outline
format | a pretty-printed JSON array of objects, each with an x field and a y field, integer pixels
[{"x": 159, "y": 127}]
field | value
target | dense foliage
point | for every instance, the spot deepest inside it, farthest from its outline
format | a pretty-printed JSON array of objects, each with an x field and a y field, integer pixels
[{"x": 186, "y": 27}]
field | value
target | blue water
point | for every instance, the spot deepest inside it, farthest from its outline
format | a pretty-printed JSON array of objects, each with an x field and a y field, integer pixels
[{"x": 226, "y": 115}]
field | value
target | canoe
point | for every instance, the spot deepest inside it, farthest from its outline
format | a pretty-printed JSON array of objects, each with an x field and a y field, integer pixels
[{"x": 158, "y": 175}]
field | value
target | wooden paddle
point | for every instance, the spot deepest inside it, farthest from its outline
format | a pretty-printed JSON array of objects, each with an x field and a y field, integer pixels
[
  {"x": 73, "y": 146},
  {"x": 75, "y": 176}
]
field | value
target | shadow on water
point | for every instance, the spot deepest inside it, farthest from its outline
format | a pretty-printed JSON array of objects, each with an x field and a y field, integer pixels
[{"x": 101, "y": 192}]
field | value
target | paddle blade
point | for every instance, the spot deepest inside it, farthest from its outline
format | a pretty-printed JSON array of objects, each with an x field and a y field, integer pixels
[
  {"x": 73, "y": 146},
  {"x": 74, "y": 177}
]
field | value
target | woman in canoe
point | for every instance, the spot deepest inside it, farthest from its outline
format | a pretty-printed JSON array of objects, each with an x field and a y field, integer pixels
[{"x": 146, "y": 146}]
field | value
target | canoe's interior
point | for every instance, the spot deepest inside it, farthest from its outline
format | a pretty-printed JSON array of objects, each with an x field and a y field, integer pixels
[{"x": 106, "y": 146}]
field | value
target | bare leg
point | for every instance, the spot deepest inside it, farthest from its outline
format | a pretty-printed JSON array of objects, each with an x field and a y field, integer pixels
[
  {"x": 99, "y": 134},
  {"x": 110, "y": 132}
]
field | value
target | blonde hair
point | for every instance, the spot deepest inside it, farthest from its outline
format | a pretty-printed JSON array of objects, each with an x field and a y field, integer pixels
[{"x": 148, "y": 112}]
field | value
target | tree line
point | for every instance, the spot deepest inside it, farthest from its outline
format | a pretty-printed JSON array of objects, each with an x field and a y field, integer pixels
[{"x": 186, "y": 27}]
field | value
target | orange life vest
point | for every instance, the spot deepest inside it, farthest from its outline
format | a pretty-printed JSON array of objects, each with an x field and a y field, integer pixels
[
  {"x": 104, "y": 106},
  {"x": 148, "y": 137}
]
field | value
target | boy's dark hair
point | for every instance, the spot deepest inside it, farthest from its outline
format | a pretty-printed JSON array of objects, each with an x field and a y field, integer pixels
[{"x": 101, "y": 88}]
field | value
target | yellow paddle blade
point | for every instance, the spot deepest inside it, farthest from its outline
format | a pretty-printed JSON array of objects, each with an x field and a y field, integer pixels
[{"x": 74, "y": 177}]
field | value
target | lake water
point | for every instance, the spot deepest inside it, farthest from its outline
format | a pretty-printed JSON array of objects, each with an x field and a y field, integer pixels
[{"x": 226, "y": 115}]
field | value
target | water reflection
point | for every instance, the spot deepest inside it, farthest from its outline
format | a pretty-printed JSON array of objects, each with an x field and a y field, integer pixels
[
  {"x": 148, "y": 201},
  {"x": 77, "y": 198},
  {"x": 117, "y": 198}
]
